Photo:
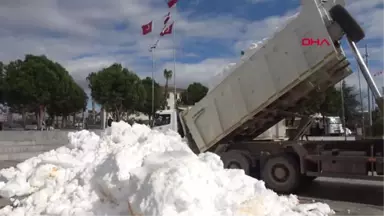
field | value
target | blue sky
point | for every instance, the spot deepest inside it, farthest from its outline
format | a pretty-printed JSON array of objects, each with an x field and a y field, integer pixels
[{"x": 85, "y": 36}]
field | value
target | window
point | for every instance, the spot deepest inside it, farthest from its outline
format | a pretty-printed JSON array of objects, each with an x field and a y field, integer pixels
[{"x": 162, "y": 119}]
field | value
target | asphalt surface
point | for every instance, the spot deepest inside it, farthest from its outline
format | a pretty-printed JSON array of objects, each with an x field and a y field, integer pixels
[{"x": 346, "y": 196}]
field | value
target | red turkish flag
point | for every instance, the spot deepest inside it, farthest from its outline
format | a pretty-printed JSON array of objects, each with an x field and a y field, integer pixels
[
  {"x": 147, "y": 28},
  {"x": 167, "y": 30},
  {"x": 171, "y": 3}
]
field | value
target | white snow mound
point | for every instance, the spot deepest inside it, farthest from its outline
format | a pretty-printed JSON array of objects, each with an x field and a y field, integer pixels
[{"x": 133, "y": 170}]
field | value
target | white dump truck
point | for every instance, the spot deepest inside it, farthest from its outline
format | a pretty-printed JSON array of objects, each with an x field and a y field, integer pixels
[{"x": 270, "y": 85}]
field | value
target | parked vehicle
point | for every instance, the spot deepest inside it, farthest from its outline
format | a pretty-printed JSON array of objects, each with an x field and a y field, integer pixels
[{"x": 323, "y": 126}]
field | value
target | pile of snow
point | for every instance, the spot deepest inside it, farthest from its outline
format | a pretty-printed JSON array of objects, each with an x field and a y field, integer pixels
[
  {"x": 253, "y": 48},
  {"x": 133, "y": 170}
]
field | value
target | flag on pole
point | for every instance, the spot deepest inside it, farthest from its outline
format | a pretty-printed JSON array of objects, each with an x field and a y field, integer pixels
[
  {"x": 147, "y": 28},
  {"x": 167, "y": 18},
  {"x": 171, "y": 3},
  {"x": 167, "y": 30}
]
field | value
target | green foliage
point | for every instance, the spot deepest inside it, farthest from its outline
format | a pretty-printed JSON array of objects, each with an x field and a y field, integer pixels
[
  {"x": 36, "y": 83},
  {"x": 351, "y": 104},
  {"x": 17, "y": 87},
  {"x": 329, "y": 103},
  {"x": 117, "y": 89},
  {"x": 69, "y": 98},
  {"x": 194, "y": 93},
  {"x": 158, "y": 99},
  {"x": 42, "y": 75}
]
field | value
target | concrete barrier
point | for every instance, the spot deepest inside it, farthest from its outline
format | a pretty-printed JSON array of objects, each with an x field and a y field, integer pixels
[
  {"x": 17, "y": 146},
  {"x": 56, "y": 137}
]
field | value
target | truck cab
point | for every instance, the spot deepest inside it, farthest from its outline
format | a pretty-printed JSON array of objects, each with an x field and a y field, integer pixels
[
  {"x": 170, "y": 120},
  {"x": 165, "y": 120}
]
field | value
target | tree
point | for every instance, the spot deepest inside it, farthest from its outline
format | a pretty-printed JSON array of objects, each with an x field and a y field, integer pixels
[
  {"x": 351, "y": 104},
  {"x": 44, "y": 76},
  {"x": 329, "y": 103},
  {"x": 117, "y": 89},
  {"x": 167, "y": 75},
  {"x": 61, "y": 97},
  {"x": 158, "y": 99},
  {"x": 68, "y": 99},
  {"x": 16, "y": 88},
  {"x": 32, "y": 84},
  {"x": 194, "y": 93}
]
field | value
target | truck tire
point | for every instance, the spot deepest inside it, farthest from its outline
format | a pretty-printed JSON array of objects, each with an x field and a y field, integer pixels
[
  {"x": 281, "y": 174},
  {"x": 349, "y": 25},
  {"x": 236, "y": 160}
]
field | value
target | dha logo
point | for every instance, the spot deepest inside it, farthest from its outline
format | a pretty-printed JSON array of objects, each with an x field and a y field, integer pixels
[{"x": 312, "y": 42}]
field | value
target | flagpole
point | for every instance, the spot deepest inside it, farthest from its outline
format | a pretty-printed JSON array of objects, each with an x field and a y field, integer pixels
[
  {"x": 174, "y": 67},
  {"x": 152, "y": 49},
  {"x": 153, "y": 83},
  {"x": 361, "y": 104}
]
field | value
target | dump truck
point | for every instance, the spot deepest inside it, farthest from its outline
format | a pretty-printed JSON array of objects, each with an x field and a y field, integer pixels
[{"x": 271, "y": 84}]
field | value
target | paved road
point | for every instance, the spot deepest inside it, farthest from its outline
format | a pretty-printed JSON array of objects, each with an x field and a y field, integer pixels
[{"x": 346, "y": 196}]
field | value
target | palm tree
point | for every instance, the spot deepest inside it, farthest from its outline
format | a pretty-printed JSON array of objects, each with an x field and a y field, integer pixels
[{"x": 167, "y": 75}]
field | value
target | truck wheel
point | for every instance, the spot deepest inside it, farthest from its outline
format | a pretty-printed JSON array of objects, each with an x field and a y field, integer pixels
[
  {"x": 349, "y": 25},
  {"x": 235, "y": 160},
  {"x": 281, "y": 174}
]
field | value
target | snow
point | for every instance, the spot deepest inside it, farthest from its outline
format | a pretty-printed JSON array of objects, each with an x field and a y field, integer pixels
[{"x": 133, "y": 170}]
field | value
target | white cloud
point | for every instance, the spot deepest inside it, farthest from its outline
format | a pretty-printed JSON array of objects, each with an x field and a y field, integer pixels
[
  {"x": 200, "y": 72},
  {"x": 83, "y": 28}
]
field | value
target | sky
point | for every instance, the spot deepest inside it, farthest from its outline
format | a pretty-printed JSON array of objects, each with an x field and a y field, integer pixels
[{"x": 85, "y": 36}]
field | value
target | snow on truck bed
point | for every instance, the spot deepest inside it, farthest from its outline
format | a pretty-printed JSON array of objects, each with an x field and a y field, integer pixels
[{"x": 133, "y": 170}]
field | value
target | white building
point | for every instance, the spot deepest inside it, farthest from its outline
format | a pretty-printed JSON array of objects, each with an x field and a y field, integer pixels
[
  {"x": 171, "y": 96},
  {"x": 170, "y": 102}
]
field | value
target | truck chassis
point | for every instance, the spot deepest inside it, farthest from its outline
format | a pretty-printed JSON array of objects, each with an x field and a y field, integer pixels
[{"x": 287, "y": 165}]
